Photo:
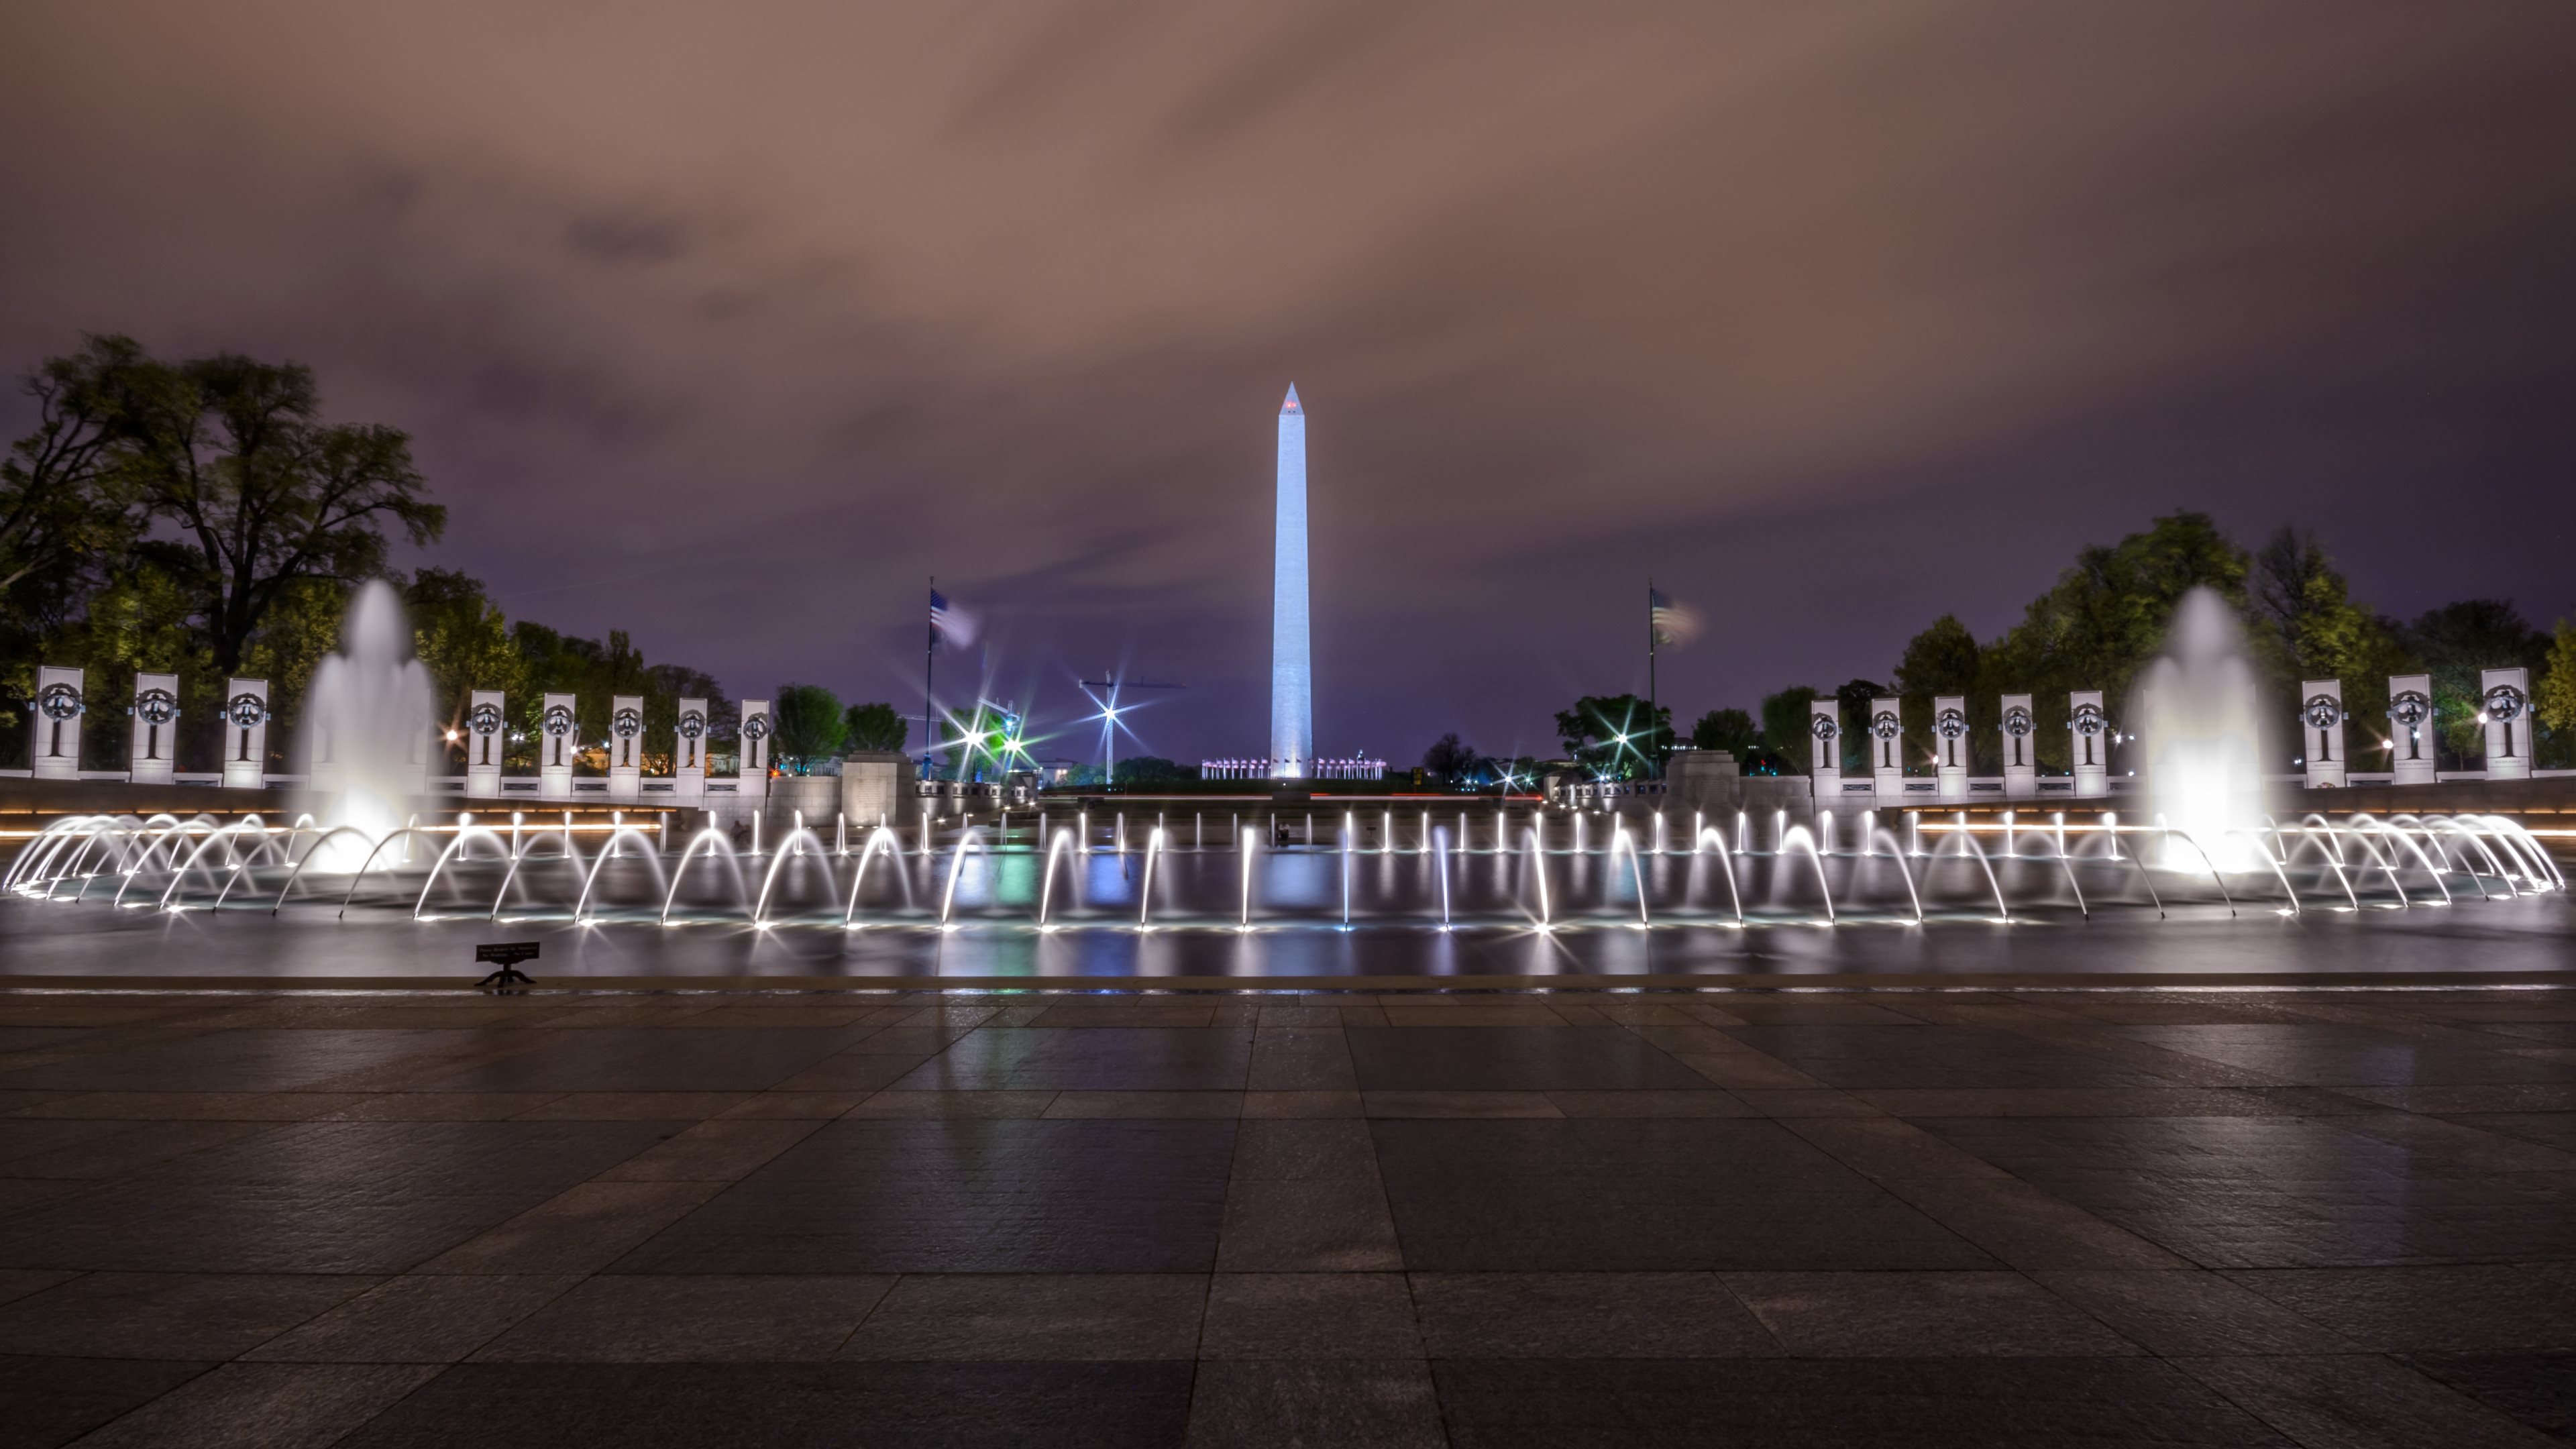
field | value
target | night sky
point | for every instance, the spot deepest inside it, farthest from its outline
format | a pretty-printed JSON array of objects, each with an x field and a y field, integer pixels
[{"x": 728, "y": 324}]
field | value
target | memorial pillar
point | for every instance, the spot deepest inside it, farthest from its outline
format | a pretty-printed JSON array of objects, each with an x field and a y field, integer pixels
[
  {"x": 1886, "y": 750},
  {"x": 555, "y": 746},
  {"x": 2091, "y": 729},
  {"x": 484, "y": 745},
  {"x": 245, "y": 734},
  {"x": 689, "y": 752},
  {"x": 2506, "y": 695},
  {"x": 625, "y": 747},
  {"x": 153, "y": 760},
  {"x": 2412, "y": 751},
  {"x": 1825, "y": 759},
  {"x": 754, "y": 781},
  {"x": 1950, "y": 745},
  {"x": 2021, "y": 761},
  {"x": 54, "y": 750},
  {"x": 2321, "y": 734}
]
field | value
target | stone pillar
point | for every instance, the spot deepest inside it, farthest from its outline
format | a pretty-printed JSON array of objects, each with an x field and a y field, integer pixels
[
  {"x": 2506, "y": 695},
  {"x": 54, "y": 749},
  {"x": 2091, "y": 731},
  {"x": 2321, "y": 734},
  {"x": 2412, "y": 751},
  {"x": 1708, "y": 782},
  {"x": 555, "y": 746},
  {"x": 754, "y": 782},
  {"x": 154, "y": 757},
  {"x": 1886, "y": 749},
  {"x": 2021, "y": 759},
  {"x": 484, "y": 745},
  {"x": 876, "y": 789},
  {"x": 625, "y": 746},
  {"x": 1950, "y": 745},
  {"x": 245, "y": 734},
  {"x": 689, "y": 753},
  {"x": 1825, "y": 757}
]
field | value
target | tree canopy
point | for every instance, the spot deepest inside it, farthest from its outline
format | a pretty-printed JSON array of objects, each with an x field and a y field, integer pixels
[
  {"x": 810, "y": 726},
  {"x": 1617, "y": 735},
  {"x": 876, "y": 727}
]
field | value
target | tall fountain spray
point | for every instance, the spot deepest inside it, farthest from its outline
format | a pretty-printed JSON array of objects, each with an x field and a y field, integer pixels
[
  {"x": 368, "y": 719},
  {"x": 2196, "y": 711}
]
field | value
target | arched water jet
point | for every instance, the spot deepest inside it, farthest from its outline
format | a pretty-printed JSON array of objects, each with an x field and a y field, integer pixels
[
  {"x": 2541, "y": 871},
  {"x": 2502, "y": 878},
  {"x": 1726, "y": 863},
  {"x": 791, "y": 848},
  {"x": 223, "y": 834},
  {"x": 592, "y": 877},
  {"x": 571, "y": 851},
  {"x": 1537, "y": 868},
  {"x": 710, "y": 840},
  {"x": 1968, "y": 846},
  {"x": 2387, "y": 832},
  {"x": 2206, "y": 863},
  {"x": 465, "y": 834},
  {"x": 1349, "y": 828},
  {"x": 358, "y": 877},
  {"x": 884, "y": 841},
  {"x": 1896, "y": 851},
  {"x": 1619, "y": 840},
  {"x": 972, "y": 837},
  {"x": 1440, "y": 859},
  {"x": 1145, "y": 887},
  {"x": 1797, "y": 835},
  {"x": 2254, "y": 838},
  {"x": 1243, "y": 919}
]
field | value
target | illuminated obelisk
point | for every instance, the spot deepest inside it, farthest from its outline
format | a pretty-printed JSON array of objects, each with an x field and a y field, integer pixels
[{"x": 1292, "y": 698}]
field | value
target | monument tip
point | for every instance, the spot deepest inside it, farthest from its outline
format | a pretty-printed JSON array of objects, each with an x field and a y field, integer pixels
[{"x": 1291, "y": 405}]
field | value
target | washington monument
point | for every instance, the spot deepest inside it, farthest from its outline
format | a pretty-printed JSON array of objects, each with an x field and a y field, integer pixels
[{"x": 1292, "y": 696}]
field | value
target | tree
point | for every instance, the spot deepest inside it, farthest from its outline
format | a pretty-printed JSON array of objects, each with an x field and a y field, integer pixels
[
  {"x": 67, "y": 509},
  {"x": 1731, "y": 730},
  {"x": 876, "y": 727},
  {"x": 261, "y": 492},
  {"x": 2454, "y": 643},
  {"x": 1449, "y": 758},
  {"x": 1150, "y": 770},
  {"x": 1618, "y": 735},
  {"x": 462, "y": 639},
  {"x": 1784, "y": 725},
  {"x": 1851, "y": 707},
  {"x": 2553, "y": 698},
  {"x": 2305, "y": 626},
  {"x": 1945, "y": 659},
  {"x": 809, "y": 726}
]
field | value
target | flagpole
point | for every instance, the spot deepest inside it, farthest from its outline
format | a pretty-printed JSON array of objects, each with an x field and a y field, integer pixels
[
  {"x": 1654, "y": 764},
  {"x": 929, "y": 649}
]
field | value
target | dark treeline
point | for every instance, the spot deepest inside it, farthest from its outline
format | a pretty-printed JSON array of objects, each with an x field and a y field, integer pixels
[
  {"x": 203, "y": 518},
  {"x": 2105, "y": 620}
]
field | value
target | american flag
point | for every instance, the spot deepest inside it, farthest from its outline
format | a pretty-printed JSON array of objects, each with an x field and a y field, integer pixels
[
  {"x": 950, "y": 623},
  {"x": 1671, "y": 622}
]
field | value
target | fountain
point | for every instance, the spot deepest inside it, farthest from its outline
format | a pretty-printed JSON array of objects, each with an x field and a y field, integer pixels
[
  {"x": 369, "y": 716},
  {"x": 2195, "y": 709}
]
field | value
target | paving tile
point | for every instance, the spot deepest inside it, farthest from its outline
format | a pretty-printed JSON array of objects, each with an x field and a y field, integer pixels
[
  {"x": 582, "y": 1229},
  {"x": 1743, "y": 1070},
  {"x": 189, "y": 1316},
  {"x": 1303, "y": 1104},
  {"x": 854, "y": 1072},
  {"x": 1146, "y": 1104},
  {"x": 2329, "y": 1055},
  {"x": 240, "y": 1063},
  {"x": 1179, "y": 1013},
  {"x": 1585, "y": 1315},
  {"x": 1458, "y": 1104},
  {"x": 1894, "y": 1315},
  {"x": 57, "y": 1400},
  {"x": 1060, "y": 1317},
  {"x": 966, "y": 1195},
  {"x": 266, "y": 1406},
  {"x": 648, "y": 1059},
  {"x": 2457, "y": 1147},
  {"x": 1509, "y": 1403},
  {"x": 1795, "y": 1102},
  {"x": 2463, "y": 1309},
  {"x": 1300, "y": 1150},
  {"x": 2357, "y": 1400},
  {"x": 1649, "y": 1102},
  {"x": 2027, "y": 1228},
  {"x": 1384, "y": 1404},
  {"x": 634, "y": 1106},
  {"x": 1108, "y": 1058},
  {"x": 1641, "y": 1194},
  {"x": 1322, "y": 1225},
  {"x": 896, "y": 1104},
  {"x": 793, "y": 1106},
  {"x": 418, "y": 1318},
  {"x": 1309, "y": 1315},
  {"x": 1509, "y": 1058},
  {"x": 1294, "y": 1060},
  {"x": 17, "y": 1283},
  {"x": 2549, "y": 1129},
  {"x": 440, "y": 1106},
  {"x": 712, "y": 1151},
  {"x": 319, "y": 1197},
  {"x": 630, "y": 1318},
  {"x": 790, "y": 1406},
  {"x": 2535, "y": 1390},
  {"x": 2185, "y": 1313}
]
